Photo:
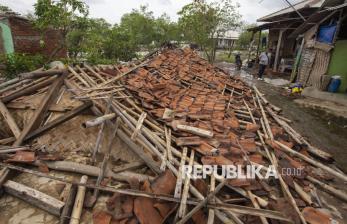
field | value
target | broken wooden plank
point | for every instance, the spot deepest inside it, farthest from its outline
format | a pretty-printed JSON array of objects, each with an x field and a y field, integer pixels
[
  {"x": 27, "y": 90},
  {"x": 66, "y": 117},
  {"x": 196, "y": 131},
  {"x": 211, "y": 213},
  {"x": 183, "y": 205},
  {"x": 180, "y": 176},
  {"x": 9, "y": 120},
  {"x": 34, "y": 197},
  {"x": 6, "y": 141},
  {"x": 93, "y": 171},
  {"x": 30, "y": 106},
  {"x": 168, "y": 142},
  {"x": 40, "y": 74},
  {"x": 79, "y": 200},
  {"x": 38, "y": 117},
  {"x": 188, "y": 141},
  {"x": 138, "y": 125}
]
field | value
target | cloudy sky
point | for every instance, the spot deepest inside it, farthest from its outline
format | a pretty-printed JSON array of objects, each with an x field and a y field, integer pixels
[{"x": 112, "y": 10}]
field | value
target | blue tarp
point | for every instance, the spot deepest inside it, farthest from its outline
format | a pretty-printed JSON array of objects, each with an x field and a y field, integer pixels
[{"x": 326, "y": 34}]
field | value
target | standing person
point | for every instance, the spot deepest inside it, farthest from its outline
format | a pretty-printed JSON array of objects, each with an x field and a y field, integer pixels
[
  {"x": 263, "y": 63},
  {"x": 238, "y": 61}
]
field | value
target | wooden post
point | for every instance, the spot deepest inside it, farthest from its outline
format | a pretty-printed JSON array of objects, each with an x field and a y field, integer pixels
[
  {"x": 78, "y": 206},
  {"x": 278, "y": 48},
  {"x": 250, "y": 47},
  {"x": 258, "y": 47}
]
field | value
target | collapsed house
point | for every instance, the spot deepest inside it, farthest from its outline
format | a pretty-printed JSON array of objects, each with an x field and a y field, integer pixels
[
  {"x": 312, "y": 36},
  {"x": 130, "y": 129}
]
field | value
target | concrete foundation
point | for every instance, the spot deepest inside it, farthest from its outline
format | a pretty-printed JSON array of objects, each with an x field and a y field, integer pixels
[{"x": 339, "y": 98}]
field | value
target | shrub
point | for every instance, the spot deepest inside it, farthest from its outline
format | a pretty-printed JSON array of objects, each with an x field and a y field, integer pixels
[{"x": 17, "y": 63}]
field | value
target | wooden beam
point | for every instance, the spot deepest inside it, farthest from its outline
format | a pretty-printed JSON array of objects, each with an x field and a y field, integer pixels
[
  {"x": 27, "y": 90},
  {"x": 196, "y": 131},
  {"x": 9, "y": 120},
  {"x": 38, "y": 117},
  {"x": 34, "y": 197},
  {"x": 138, "y": 125},
  {"x": 40, "y": 74},
  {"x": 30, "y": 106},
  {"x": 66, "y": 117},
  {"x": 277, "y": 56}
]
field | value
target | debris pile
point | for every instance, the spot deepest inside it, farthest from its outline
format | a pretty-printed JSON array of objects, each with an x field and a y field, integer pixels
[{"x": 132, "y": 130}]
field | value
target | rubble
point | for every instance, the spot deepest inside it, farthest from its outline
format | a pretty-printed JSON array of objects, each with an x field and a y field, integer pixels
[{"x": 150, "y": 119}]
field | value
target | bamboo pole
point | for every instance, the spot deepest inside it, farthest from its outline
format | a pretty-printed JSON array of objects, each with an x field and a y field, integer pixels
[
  {"x": 78, "y": 206},
  {"x": 183, "y": 205}
]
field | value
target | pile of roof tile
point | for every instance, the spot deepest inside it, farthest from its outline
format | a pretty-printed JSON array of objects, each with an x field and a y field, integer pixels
[{"x": 170, "y": 110}]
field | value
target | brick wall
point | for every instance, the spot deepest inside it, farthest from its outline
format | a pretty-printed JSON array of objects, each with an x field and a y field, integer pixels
[{"x": 26, "y": 38}]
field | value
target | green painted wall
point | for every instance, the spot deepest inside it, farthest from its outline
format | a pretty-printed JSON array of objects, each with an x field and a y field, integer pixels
[
  {"x": 338, "y": 63},
  {"x": 7, "y": 38}
]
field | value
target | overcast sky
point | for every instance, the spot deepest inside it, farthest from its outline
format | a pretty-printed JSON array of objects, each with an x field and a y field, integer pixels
[{"x": 112, "y": 10}]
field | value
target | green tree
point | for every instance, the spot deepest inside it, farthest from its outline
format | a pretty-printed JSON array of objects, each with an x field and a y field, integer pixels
[
  {"x": 203, "y": 22},
  {"x": 87, "y": 37},
  {"x": 139, "y": 24},
  {"x": 247, "y": 38},
  {"x": 146, "y": 31},
  {"x": 5, "y": 9},
  {"x": 118, "y": 45},
  {"x": 59, "y": 15}
]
